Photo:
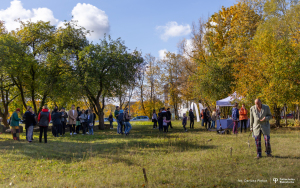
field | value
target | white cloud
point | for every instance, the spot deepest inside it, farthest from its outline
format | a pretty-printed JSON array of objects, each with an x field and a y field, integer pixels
[
  {"x": 17, "y": 11},
  {"x": 91, "y": 18},
  {"x": 172, "y": 29},
  {"x": 87, "y": 15},
  {"x": 162, "y": 53}
]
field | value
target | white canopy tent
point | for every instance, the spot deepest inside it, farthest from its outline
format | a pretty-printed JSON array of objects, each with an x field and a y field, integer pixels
[{"x": 228, "y": 101}]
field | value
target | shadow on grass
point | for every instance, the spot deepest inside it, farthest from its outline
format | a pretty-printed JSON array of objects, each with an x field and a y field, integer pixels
[
  {"x": 70, "y": 151},
  {"x": 75, "y": 148},
  {"x": 285, "y": 157}
]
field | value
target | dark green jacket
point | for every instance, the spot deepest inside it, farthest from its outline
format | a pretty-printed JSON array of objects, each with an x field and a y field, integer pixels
[
  {"x": 116, "y": 113},
  {"x": 14, "y": 122}
]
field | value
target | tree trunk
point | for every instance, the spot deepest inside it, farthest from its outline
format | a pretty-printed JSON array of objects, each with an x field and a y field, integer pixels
[
  {"x": 100, "y": 113},
  {"x": 4, "y": 118},
  {"x": 277, "y": 115}
]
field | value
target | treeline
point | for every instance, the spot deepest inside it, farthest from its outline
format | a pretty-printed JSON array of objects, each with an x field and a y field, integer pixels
[
  {"x": 251, "y": 48},
  {"x": 40, "y": 63}
]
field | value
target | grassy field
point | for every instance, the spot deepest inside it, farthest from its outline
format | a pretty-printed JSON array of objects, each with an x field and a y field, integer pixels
[{"x": 176, "y": 159}]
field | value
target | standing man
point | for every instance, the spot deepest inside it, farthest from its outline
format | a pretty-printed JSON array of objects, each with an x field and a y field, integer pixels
[
  {"x": 260, "y": 116},
  {"x": 64, "y": 117},
  {"x": 127, "y": 118},
  {"x": 117, "y": 112},
  {"x": 235, "y": 118},
  {"x": 169, "y": 116},
  {"x": 121, "y": 121},
  {"x": 29, "y": 123},
  {"x": 44, "y": 119},
  {"x": 192, "y": 116},
  {"x": 72, "y": 119}
]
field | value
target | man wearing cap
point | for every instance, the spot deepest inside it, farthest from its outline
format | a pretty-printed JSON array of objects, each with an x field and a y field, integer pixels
[{"x": 14, "y": 125}]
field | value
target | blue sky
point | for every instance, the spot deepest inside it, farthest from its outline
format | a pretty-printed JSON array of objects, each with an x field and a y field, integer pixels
[{"x": 146, "y": 25}]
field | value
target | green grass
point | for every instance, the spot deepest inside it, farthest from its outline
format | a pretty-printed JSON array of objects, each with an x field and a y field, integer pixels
[{"x": 177, "y": 159}]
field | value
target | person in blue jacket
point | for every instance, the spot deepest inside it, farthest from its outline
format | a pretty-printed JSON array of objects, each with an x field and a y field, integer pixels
[{"x": 235, "y": 118}]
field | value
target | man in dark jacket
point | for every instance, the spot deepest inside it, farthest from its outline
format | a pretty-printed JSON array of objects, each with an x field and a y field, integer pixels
[
  {"x": 56, "y": 121},
  {"x": 44, "y": 120},
  {"x": 29, "y": 118},
  {"x": 64, "y": 117},
  {"x": 121, "y": 121},
  {"x": 168, "y": 118},
  {"x": 192, "y": 116}
]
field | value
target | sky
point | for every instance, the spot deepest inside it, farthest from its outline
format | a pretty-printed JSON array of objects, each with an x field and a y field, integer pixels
[{"x": 150, "y": 26}]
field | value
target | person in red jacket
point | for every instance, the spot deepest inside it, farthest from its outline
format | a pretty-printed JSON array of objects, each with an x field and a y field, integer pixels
[
  {"x": 44, "y": 119},
  {"x": 243, "y": 117}
]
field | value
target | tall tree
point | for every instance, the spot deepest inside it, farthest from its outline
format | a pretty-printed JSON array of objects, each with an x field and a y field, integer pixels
[
  {"x": 102, "y": 67},
  {"x": 272, "y": 70},
  {"x": 10, "y": 51}
]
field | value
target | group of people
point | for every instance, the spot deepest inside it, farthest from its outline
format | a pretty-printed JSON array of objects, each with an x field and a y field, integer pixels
[
  {"x": 163, "y": 118},
  {"x": 123, "y": 118},
  {"x": 76, "y": 119},
  {"x": 81, "y": 120},
  {"x": 84, "y": 120}
]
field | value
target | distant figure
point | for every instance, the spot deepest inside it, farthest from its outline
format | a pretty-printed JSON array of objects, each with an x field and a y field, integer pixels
[
  {"x": 203, "y": 117},
  {"x": 120, "y": 121},
  {"x": 83, "y": 121},
  {"x": 29, "y": 123},
  {"x": 213, "y": 119},
  {"x": 111, "y": 119},
  {"x": 243, "y": 118},
  {"x": 164, "y": 115},
  {"x": 44, "y": 119},
  {"x": 235, "y": 118},
  {"x": 14, "y": 125},
  {"x": 192, "y": 116},
  {"x": 169, "y": 117},
  {"x": 127, "y": 118},
  {"x": 260, "y": 116},
  {"x": 160, "y": 120},
  {"x": 117, "y": 112},
  {"x": 154, "y": 119},
  {"x": 165, "y": 124},
  {"x": 64, "y": 117},
  {"x": 78, "y": 123},
  {"x": 90, "y": 120},
  {"x": 208, "y": 119},
  {"x": 56, "y": 122},
  {"x": 184, "y": 121},
  {"x": 72, "y": 119}
]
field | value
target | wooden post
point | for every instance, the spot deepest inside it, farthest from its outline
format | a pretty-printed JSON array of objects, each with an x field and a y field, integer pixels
[
  {"x": 145, "y": 175},
  {"x": 298, "y": 114},
  {"x": 285, "y": 111}
]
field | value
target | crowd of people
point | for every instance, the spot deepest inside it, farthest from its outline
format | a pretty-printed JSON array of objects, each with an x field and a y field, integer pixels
[
  {"x": 84, "y": 120},
  {"x": 123, "y": 118},
  {"x": 77, "y": 120},
  {"x": 163, "y": 118}
]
